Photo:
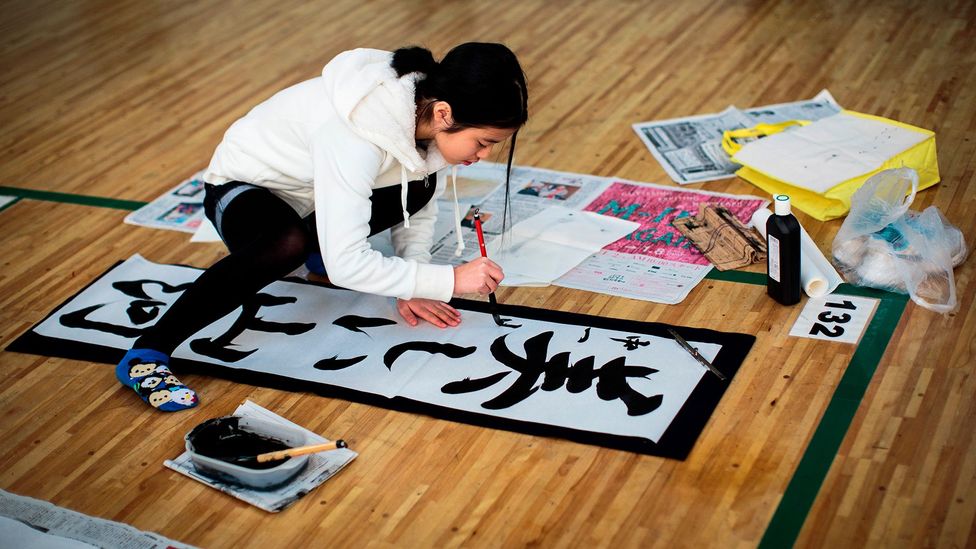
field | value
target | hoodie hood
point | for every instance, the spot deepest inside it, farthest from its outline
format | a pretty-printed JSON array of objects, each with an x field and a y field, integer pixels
[{"x": 379, "y": 106}]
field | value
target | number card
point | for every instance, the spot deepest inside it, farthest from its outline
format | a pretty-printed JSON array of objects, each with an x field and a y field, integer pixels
[{"x": 835, "y": 317}]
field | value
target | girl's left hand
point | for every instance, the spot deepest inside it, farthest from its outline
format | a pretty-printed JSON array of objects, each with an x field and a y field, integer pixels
[{"x": 438, "y": 313}]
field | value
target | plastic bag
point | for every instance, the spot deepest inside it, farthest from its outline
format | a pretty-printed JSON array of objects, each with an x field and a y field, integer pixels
[{"x": 883, "y": 244}]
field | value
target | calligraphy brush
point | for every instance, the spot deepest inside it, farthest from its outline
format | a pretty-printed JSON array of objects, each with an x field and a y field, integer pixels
[
  {"x": 290, "y": 452},
  {"x": 484, "y": 253}
]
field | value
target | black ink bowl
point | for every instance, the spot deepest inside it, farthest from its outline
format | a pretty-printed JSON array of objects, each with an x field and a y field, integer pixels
[{"x": 215, "y": 443}]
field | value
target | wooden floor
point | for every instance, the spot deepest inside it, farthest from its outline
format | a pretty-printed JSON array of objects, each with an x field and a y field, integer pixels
[{"x": 122, "y": 99}]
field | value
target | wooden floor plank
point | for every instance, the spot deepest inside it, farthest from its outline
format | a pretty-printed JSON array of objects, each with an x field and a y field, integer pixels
[{"x": 122, "y": 100}]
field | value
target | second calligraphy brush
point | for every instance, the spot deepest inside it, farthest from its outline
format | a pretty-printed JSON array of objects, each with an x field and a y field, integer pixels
[
  {"x": 695, "y": 354},
  {"x": 484, "y": 253}
]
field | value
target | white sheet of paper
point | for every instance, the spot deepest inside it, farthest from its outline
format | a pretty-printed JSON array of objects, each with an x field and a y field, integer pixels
[
  {"x": 27, "y": 523},
  {"x": 206, "y": 232},
  {"x": 550, "y": 243},
  {"x": 829, "y": 152}
]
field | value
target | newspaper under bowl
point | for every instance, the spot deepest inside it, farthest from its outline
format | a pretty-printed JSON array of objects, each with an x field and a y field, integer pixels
[{"x": 229, "y": 472}]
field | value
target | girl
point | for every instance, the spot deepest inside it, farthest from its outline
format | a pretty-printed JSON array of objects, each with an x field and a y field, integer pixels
[{"x": 323, "y": 165}]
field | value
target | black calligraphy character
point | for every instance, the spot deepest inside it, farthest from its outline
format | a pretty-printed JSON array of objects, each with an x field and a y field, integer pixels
[
  {"x": 79, "y": 319},
  {"x": 632, "y": 342},
  {"x": 431, "y": 347},
  {"x": 586, "y": 335},
  {"x": 391, "y": 356},
  {"x": 145, "y": 309},
  {"x": 557, "y": 371},
  {"x": 219, "y": 347},
  {"x": 354, "y": 323},
  {"x": 136, "y": 288},
  {"x": 507, "y": 323},
  {"x": 140, "y": 311},
  {"x": 336, "y": 363}
]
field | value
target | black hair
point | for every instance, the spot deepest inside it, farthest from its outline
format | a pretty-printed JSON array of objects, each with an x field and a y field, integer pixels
[{"x": 482, "y": 82}]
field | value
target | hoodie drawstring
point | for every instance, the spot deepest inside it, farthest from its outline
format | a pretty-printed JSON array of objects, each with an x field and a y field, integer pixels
[
  {"x": 403, "y": 196},
  {"x": 457, "y": 214},
  {"x": 457, "y": 208}
]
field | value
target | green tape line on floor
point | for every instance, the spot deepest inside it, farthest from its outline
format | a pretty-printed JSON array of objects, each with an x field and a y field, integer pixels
[
  {"x": 68, "y": 198},
  {"x": 787, "y": 521}
]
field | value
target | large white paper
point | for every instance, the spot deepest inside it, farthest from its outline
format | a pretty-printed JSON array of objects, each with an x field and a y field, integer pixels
[{"x": 316, "y": 334}]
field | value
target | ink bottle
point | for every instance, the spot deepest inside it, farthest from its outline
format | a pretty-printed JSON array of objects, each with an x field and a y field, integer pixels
[{"x": 783, "y": 253}]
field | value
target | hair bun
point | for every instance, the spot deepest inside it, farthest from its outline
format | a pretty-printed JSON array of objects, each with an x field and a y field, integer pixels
[{"x": 413, "y": 59}]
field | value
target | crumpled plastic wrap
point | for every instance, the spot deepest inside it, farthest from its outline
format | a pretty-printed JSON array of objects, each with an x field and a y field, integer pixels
[{"x": 883, "y": 244}]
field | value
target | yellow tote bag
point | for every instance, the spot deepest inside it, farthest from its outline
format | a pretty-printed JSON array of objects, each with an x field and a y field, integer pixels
[{"x": 821, "y": 164}]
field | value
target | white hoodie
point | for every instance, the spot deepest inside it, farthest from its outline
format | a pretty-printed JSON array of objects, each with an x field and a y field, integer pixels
[{"x": 324, "y": 145}]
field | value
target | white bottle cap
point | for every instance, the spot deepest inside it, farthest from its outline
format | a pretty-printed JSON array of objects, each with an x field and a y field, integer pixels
[{"x": 782, "y": 202}]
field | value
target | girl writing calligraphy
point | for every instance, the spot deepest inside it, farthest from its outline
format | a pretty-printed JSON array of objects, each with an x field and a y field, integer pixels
[{"x": 324, "y": 164}]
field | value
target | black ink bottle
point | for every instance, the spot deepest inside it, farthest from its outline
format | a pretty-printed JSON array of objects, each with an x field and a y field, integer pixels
[{"x": 783, "y": 253}]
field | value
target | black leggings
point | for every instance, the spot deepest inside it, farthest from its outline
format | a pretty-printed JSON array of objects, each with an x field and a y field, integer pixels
[{"x": 267, "y": 239}]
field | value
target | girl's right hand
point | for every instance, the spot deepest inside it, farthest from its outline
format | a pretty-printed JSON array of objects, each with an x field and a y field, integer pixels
[{"x": 479, "y": 276}]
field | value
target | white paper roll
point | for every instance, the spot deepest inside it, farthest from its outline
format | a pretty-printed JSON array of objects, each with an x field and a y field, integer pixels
[{"x": 817, "y": 276}]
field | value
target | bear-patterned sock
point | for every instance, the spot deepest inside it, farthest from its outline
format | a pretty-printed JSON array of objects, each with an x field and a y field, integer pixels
[{"x": 147, "y": 371}]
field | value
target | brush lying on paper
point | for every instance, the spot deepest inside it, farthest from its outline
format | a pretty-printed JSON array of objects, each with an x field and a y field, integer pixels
[{"x": 694, "y": 353}]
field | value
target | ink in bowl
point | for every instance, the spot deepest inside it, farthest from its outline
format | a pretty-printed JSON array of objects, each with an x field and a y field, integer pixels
[
  {"x": 216, "y": 445},
  {"x": 783, "y": 253}
]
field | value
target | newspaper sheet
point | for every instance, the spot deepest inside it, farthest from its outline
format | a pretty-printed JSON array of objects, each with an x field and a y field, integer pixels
[
  {"x": 321, "y": 467},
  {"x": 690, "y": 148},
  {"x": 180, "y": 209},
  {"x": 532, "y": 190},
  {"x": 29, "y": 522},
  {"x": 653, "y": 263}
]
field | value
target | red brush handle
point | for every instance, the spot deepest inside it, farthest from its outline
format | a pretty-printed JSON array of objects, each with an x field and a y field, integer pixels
[{"x": 481, "y": 235}]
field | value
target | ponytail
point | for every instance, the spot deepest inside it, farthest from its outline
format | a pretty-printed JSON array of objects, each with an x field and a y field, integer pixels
[{"x": 413, "y": 59}]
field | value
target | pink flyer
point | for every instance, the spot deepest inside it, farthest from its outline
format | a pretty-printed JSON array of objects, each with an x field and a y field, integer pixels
[{"x": 655, "y": 207}]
